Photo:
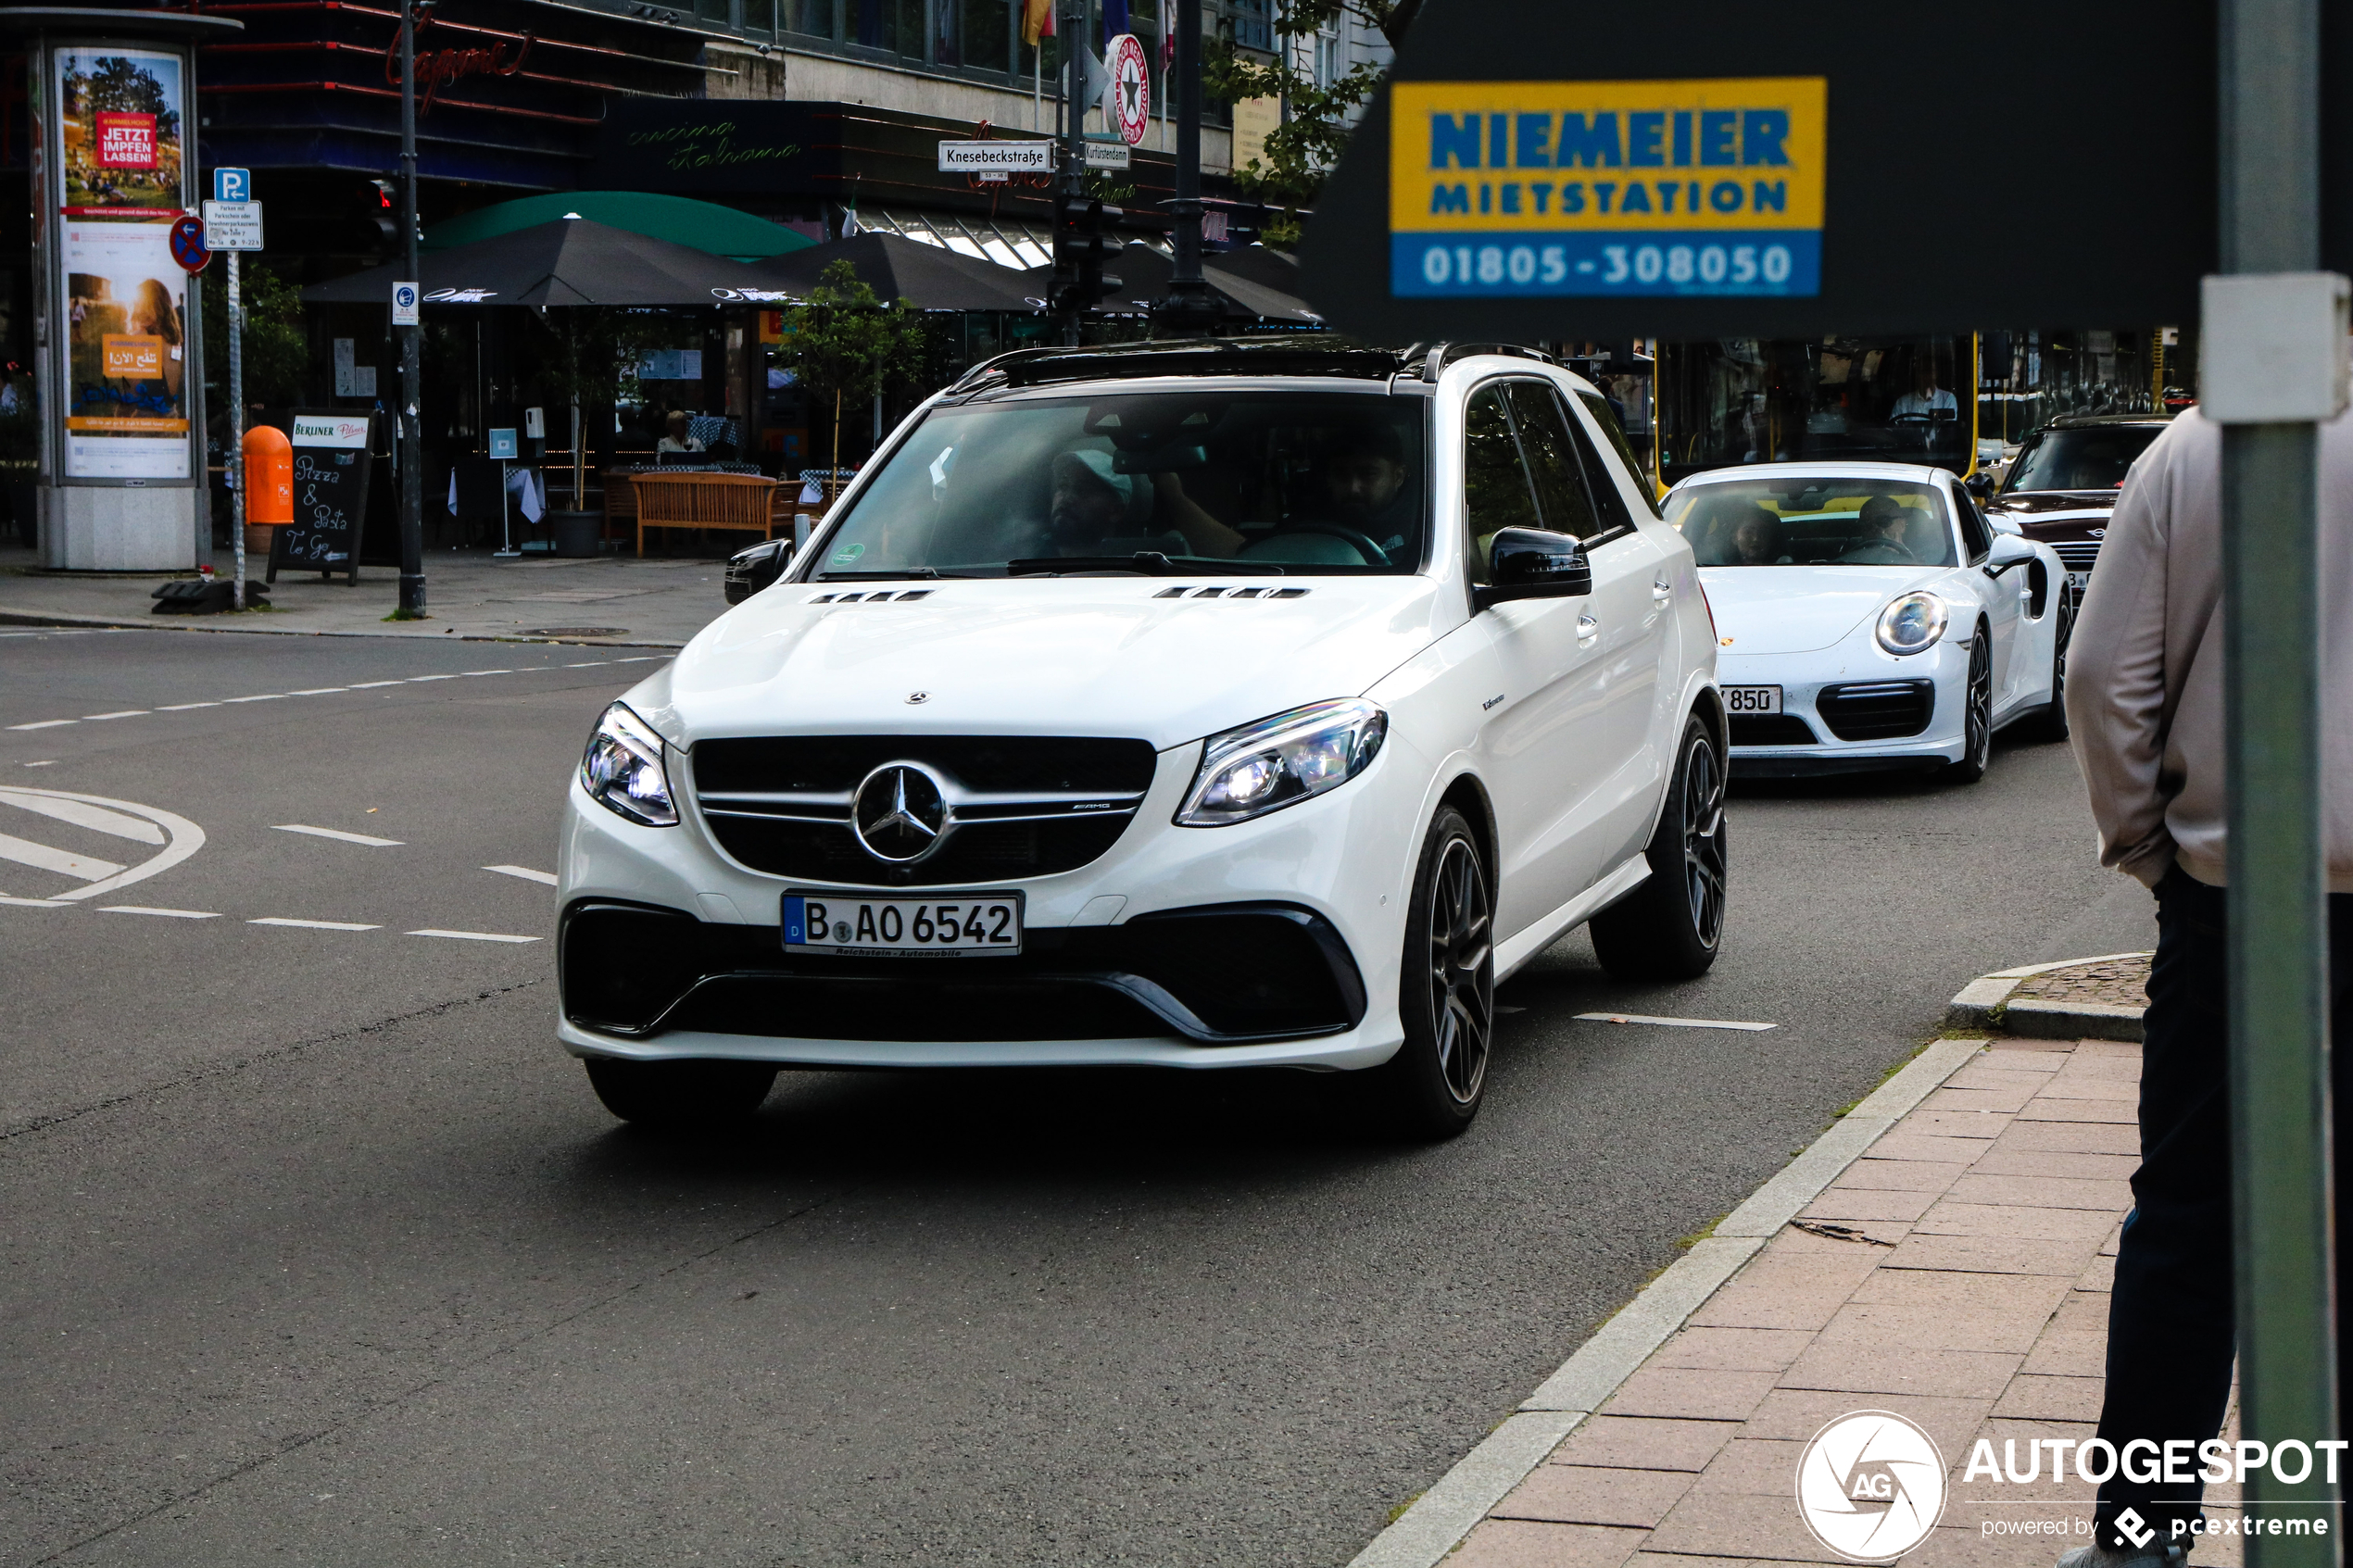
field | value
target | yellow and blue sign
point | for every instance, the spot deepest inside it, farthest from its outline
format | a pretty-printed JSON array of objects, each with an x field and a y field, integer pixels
[{"x": 1606, "y": 188}]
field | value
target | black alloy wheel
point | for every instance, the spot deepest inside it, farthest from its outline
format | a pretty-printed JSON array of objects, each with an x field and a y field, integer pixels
[
  {"x": 1977, "y": 715},
  {"x": 1672, "y": 927},
  {"x": 1446, "y": 996}
]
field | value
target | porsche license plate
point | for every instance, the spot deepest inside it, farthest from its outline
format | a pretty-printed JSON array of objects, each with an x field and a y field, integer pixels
[
  {"x": 1752, "y": 699},
  {"x": 2077, "y": 582},
  {"x": 941, "y": 926}
]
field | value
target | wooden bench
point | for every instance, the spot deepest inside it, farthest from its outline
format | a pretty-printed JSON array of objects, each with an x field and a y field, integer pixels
[{"x": 739, "y": 501}]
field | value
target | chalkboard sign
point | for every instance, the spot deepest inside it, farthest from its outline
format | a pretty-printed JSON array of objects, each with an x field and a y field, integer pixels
[{"x": 331, "y": 462}]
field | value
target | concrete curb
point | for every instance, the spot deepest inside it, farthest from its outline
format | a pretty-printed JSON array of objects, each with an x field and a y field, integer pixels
[
  {"x": 196, "y": 623},
  {"x": 1441, "y": 1517},
  {"x": 1985, "y": 1003}
]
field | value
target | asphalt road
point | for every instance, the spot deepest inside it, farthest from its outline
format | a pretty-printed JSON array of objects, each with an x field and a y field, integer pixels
[{"x": 316, "y": 1248}]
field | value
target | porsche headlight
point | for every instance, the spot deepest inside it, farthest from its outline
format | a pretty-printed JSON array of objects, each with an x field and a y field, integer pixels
[
  {"x": 1912, "y": 623},
  {"x": 622, "y": 769},
  {"x": 1282, "y": 760}
]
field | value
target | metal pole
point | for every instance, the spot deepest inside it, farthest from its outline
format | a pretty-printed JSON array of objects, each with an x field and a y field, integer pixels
[
  {"x": 1073, "y": 179},
  {"x": 1190, "y": 306},
  {"x": 2278, "y": 953},
  {"x": 413, "y": 479},
  {"x": 236, "y": 433}
]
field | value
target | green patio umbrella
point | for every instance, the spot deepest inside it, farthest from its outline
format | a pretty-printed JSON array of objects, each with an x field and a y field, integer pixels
[{"x": 707, "y": 226}]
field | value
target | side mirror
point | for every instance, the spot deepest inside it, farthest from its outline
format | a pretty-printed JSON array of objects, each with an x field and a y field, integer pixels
[
  {"x": 750, "y": 570},
  {"x": 2009, "y": 550},
  {"x": 1980, "y": 484},
  {"x": 1534, "y": 563}
]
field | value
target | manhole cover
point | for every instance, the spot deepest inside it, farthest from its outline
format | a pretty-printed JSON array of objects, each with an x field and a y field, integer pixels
[{"x": 577, "y": 632}]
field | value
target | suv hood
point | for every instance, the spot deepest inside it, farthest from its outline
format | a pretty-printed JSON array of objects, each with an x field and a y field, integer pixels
[
  {"x": 1095, "y": 656},
  {"x": 1768, "y": 609}
]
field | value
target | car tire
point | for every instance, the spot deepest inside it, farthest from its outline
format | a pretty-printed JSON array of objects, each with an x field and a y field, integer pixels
[
  {"x": 2049, "y": 722},
  {"x": 1672, "y": 927},
  {"x": 1977, "y": 713},
  {"x": 1433, "y": 1086},
  {"x": 673, "y": 1097}
]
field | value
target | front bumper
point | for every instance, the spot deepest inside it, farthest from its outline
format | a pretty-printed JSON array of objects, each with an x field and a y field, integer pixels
[
  {"x": 1853, "y": 673},
  {"x": 1262, "y": 943}
]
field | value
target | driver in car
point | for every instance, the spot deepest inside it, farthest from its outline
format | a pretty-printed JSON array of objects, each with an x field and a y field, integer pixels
[
  {"x": 1363, "y": 473},
  {"x": 1885, "y": 521}
]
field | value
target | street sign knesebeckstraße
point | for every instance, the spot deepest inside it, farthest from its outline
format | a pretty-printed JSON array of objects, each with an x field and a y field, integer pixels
[
  {"x": 1725, "y": 170},
  {"x": 997, "y": 158},
  {"x": 404, "y": 305},
  {"x": 232, "y": 225}
]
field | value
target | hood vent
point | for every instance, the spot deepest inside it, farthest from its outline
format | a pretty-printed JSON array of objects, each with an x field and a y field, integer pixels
[
  {"x": 1233, "y": 592},
  {"x": 878, "y": 596}
]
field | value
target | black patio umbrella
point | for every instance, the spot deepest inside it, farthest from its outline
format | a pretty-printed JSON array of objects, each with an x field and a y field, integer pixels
[
  {"x": 569, "y": 261},
  {"x": 929, "y": 277},
  {"x": 1143, "y": 275}
]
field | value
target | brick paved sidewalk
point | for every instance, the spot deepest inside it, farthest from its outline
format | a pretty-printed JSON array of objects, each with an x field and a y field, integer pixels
[{"x": 1956, "y": 1274}]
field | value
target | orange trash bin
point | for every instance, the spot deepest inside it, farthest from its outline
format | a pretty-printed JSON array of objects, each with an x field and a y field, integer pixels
[{"x": 269, "y": 477}]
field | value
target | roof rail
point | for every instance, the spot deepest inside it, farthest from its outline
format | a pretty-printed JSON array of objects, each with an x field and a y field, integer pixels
[
  {"x": 1436, "y": 357},
  {"x": 1320, "y": 353}
]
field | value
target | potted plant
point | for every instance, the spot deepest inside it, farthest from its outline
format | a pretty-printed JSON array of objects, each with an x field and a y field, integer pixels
[{"x": 586, "y": 358}]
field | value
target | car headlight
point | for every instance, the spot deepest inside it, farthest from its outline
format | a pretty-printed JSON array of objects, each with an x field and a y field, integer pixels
[
  {"x": 1912, "y": 623},
  {"x": 622, "y": 769},
  {"x": 1282, "y": 760}
]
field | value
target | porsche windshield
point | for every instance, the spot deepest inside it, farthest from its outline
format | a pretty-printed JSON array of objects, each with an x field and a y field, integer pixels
[
  {"x": 1814, "y": 522},
  {"x": 2086, "y": 457},
  {"x": 1265, "y": 482}
]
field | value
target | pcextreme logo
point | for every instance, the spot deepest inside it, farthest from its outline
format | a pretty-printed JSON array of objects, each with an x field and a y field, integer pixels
[{"x": 1871, "y": 1485}]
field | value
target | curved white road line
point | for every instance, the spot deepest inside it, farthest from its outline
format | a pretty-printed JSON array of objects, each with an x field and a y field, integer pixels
[{"x": 184, "y": 837}]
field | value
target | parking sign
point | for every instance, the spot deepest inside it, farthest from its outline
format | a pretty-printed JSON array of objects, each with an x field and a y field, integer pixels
[{"x": 233, "y": 185}]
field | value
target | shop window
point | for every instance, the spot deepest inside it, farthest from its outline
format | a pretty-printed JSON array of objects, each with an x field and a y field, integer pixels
[
  {"x": 760, "y": 16},
  {"x": 812, "y": 17},
  {"x": 989, "y": 34}
]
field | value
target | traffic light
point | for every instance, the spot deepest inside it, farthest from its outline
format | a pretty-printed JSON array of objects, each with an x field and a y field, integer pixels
[{"x": 1084, "y": 239}]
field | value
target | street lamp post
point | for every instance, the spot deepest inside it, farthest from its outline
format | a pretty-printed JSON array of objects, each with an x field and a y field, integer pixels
[
  {"x": 1190, "y": 306},
  {"x": 412, "y": 486},
  {"x": 1073, "y": 174}
]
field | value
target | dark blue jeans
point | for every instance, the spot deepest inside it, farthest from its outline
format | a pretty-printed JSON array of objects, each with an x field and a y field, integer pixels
[{"x": 2171, "y": 1322}]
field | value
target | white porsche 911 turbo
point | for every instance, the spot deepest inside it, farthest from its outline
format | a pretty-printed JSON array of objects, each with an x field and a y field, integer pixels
[
  {"x": 1209, "y": 705},
  {"x": 1869, "y": 618}
]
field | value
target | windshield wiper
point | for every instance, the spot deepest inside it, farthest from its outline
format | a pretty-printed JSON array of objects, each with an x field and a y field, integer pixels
[
  {"x": 905, "y": 573},
  {"x": 1143, "y": 563}
]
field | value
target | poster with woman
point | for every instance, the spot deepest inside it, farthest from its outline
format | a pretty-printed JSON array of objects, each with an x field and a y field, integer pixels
[{"x": 124, "y": 299}]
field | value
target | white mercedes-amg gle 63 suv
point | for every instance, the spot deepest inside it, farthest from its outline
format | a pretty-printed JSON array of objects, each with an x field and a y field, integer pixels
[{"x": 1189, "y": 705}]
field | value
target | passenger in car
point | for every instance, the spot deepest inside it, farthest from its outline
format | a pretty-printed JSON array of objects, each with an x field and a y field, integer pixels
[
  {"x": 1756, "y": 539},
  {"x": 1097, "y": 509}
]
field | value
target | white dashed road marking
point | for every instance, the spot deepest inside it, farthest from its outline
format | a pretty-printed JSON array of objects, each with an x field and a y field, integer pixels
[
  {"x": 473, "y": 935},
  {"x": 44, "y": 725},
  {"x": 370, "y": 685},
  {"x": 265, "y": 696},
  {"x": 35, "y": 903},
  {"x": 1668, "y": 1023},
  {"x": 337, "y": 834},
  {"x": 126, "y": 714},
  {"x": 318, "y": 691},
  {"x": 184, "y": 707},
  {"x": 314, "y": 925},
  {"x": 525, "y": 872},
  {"x": 149, "y": 909},
  {"x": 178, "y": 837}
]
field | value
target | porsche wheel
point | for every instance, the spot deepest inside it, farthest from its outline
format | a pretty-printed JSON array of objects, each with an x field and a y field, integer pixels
[{"x": 1977, "y": 715}]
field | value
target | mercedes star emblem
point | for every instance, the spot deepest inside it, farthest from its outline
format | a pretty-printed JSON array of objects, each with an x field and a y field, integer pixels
[{"x": 899, "y": 812}]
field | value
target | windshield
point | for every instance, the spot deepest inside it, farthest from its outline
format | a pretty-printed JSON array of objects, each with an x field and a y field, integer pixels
[
  {"x": 2093, "y": 459},
  {"x": 1814, "y": 522},
  {"x": 1267, "y": 482}
]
